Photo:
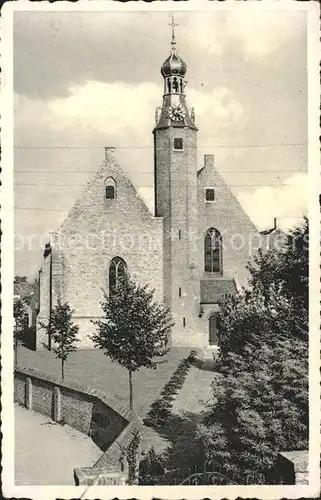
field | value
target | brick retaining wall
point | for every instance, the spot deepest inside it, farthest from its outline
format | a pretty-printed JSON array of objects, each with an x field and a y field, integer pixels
[{"x": 90, "y": 411}]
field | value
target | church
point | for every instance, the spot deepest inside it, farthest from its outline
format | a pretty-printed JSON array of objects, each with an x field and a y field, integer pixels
[{"x": 192, "y": 250}]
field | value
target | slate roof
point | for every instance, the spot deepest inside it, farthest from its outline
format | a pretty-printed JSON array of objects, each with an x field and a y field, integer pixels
[{"x": 213, "y": 290}]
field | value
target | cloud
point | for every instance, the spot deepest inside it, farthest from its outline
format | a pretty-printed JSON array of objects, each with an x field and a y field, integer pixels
[
  {"x": 120, "y": 107},
  {"x": 206, "y": 32},
  {"x": 219, "y": 104},
  {"x": 119, "y": 114},
  {"x": 262, "y": 33},
  {"x": 289, "y": 202}
]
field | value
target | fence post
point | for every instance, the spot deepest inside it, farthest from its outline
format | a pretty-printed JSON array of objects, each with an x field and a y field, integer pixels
[
  {"x": 28, "y": 394},
  {"x": 57, "y": 404}
]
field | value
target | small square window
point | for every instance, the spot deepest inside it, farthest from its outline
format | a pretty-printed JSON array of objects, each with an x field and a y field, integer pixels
[
  {"x": 178, "y": 143},
  {"x": 209, "y": 194}
]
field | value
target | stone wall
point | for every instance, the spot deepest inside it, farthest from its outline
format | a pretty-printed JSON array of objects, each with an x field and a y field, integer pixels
[
  {"x": 110, "y": 425},
  {"x": 50, "y": 274},
  {"x": 292, "y": 467}
]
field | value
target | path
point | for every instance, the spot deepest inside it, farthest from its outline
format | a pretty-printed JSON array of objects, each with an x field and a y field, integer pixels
[
  {"x": 195, "y": 393},
  {"x": 46, "y": 453}
]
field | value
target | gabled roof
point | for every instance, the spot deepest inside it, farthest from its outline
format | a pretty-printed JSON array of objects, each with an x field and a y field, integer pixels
[
  {"x": 200, "y": 170},
  {"x": 272, "y": 230}
]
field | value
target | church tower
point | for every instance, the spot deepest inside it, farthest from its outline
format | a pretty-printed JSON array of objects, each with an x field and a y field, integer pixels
[{"x": 175, "y": 176}]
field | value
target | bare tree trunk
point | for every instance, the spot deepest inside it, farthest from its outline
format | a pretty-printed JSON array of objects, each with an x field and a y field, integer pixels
[{"x": 130, "y": 390}]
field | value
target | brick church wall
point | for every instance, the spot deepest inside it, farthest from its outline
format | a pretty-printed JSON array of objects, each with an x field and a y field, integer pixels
[
  {"x": 96, "y": 231},
  {"x": 240, "y": 237}
]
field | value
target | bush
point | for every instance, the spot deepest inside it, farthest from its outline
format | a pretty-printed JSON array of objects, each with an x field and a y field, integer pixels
[
  {"x": 192, "y": 356},
  {"x": 151, "y": 468},
  {"x": 172, "y": 391},
  {"x": 161, "y": 409}
]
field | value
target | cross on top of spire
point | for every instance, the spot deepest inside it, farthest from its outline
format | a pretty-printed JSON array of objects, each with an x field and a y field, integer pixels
[{"x": 173, "y": 24}]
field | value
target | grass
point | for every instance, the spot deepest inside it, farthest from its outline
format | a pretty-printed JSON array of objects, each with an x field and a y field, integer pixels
[{"x": 93, "y": 369}]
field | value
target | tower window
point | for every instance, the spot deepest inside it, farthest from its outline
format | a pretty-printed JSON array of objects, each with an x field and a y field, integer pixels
[
  {"x": 209, "y": 194},
  {"x": 213, "y": 251},
  {"x": 184, "y": 322},
  {"x": 178, "y": 143},
  {"x": 179, "y": 292},
  {"x": 179, "y": 234},
  {"x": 110, "y": 189}
]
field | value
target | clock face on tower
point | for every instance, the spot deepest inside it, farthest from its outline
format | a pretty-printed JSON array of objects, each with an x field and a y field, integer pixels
[{"x": 176, "y": 113}]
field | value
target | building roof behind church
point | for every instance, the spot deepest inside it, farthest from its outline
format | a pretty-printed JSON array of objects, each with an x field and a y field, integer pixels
[{"x": 23, "y": 289}]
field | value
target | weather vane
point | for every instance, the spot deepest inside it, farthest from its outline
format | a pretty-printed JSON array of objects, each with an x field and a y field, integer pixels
[{"x": 173, "y": 24}]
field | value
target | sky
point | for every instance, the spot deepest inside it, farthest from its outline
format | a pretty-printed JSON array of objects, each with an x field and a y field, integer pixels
[{"x": 86, "y": 80}]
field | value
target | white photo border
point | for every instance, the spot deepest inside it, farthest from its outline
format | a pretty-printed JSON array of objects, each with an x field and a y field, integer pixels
[{"x": 7, "y": 267}]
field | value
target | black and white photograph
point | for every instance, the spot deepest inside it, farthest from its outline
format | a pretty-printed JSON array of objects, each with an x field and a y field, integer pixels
[{"x": 160, "y": 250}]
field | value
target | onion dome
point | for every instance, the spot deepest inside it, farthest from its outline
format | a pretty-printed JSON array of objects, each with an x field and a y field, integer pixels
[{"x": 173, "y": 65}]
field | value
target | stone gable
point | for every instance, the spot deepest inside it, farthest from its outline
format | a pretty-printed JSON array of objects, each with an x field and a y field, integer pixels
[
  {"x": 95, "y": 231},
  {"x": 240, "y": 236}
]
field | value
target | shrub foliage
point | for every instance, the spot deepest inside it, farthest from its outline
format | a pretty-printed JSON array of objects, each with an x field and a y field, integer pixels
[{"x": 260, "y": 391}]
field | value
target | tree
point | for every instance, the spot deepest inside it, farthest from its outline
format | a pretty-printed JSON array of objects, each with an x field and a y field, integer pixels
[
  {"x": 19, "y": 313},
  {"x": 134, "y": 330},
  {"x": 63, "y": 333},
  {"x": 289, "y": 269},
  {"x": 20, "y": 279},
  {"x": 260, "y": 393}
]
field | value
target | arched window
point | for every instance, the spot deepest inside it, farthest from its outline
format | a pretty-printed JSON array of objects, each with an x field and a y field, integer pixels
[
  {"x": 117, "y": 270},
  {"x": 110, "y": 188},
  {"x": 213, "y": 251},
  {"x": 212, "y": 329}
]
